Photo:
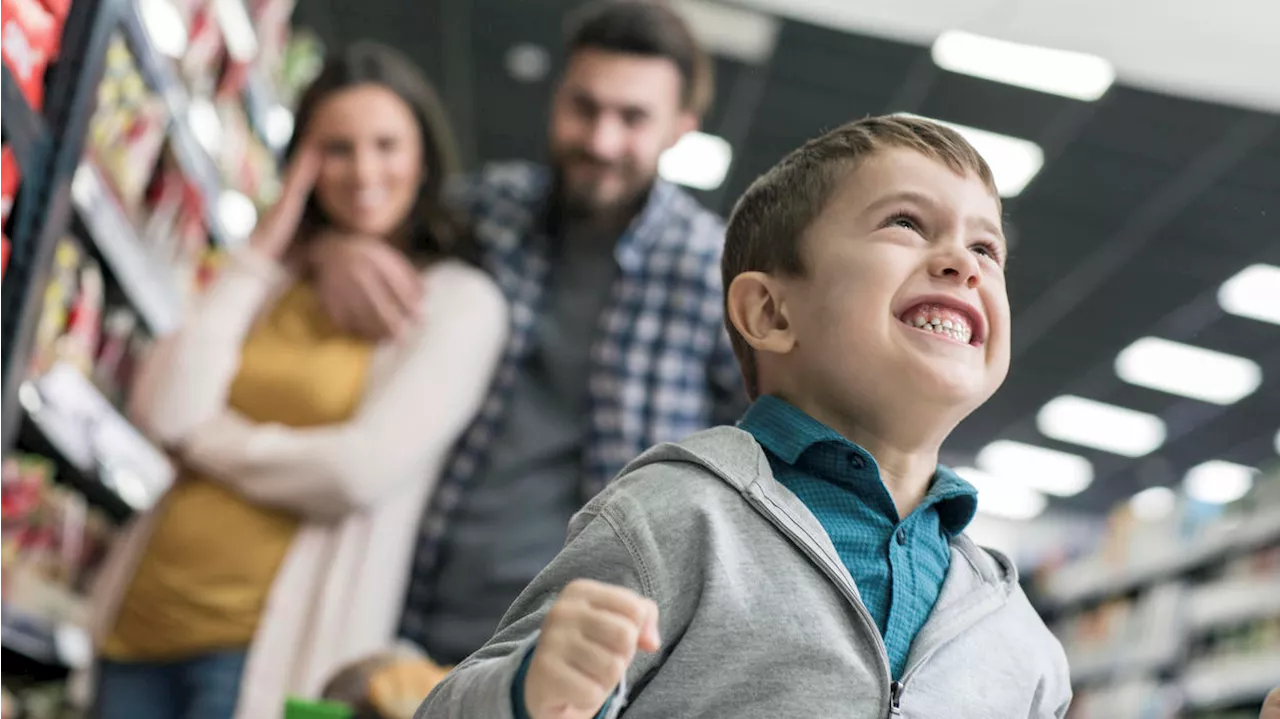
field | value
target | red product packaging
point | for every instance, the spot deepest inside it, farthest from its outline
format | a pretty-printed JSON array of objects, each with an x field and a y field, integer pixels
[
  {"x": 58, "y": 8},
  {"x": 4, "y": 255},
  {"x": 10, "y": 176},
  {"x": 28, "y": 41}
]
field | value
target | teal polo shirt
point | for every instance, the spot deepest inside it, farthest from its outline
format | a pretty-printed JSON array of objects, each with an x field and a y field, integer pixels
[{"x": 897, "y": 564}]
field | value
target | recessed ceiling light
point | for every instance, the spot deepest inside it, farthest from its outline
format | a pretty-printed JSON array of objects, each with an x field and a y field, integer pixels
[
  {"x": 1060, "y": 72},
  {"x": 1040, "y": 468},
  {"x": 1153, "y": 503},
  {"x": 1013, "y": 160},
  {"x": 1218, "y": 482},
  {"x": 1254, "y": 292},
  {"x": 1188, "y": 371},
  {"x": 528, "y": 62},
  {"x": 698, "y": 160},
  {"x": 1000, "y": 497},
  {"x": 1090, "y": 423}
]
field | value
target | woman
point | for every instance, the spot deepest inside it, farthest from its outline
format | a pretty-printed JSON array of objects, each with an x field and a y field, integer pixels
[{"x": 306, "y": 454}]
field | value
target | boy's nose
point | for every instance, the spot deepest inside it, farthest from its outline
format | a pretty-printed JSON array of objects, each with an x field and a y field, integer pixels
[{"x": 959, "y": 264}]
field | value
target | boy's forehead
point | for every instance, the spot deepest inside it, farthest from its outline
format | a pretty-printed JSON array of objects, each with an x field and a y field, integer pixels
[{"x": 901, "y": 174}]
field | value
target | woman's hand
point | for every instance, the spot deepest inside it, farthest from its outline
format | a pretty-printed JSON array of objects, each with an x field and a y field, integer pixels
[{"x": 276, "y": 231}]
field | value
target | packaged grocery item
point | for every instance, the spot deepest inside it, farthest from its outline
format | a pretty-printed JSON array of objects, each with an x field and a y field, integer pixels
[
  {"x": 113, "y": 354},
  {"x": 79, "y": 344},
  {"x": 31, "y": 35},
  {"x": 127, "y": 131},
  {"x": 4, "y": 253},
  {"x": 58, "y": 296},
  {"x": 10, "y": 177}
]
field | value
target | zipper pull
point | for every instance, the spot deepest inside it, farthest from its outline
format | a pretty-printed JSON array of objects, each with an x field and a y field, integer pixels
[{"x": 895, "y": 698}]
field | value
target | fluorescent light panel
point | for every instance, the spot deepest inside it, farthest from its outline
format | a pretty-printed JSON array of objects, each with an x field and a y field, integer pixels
[
  {"x": 733, "y": 32},
  {"x": 1188, "y": 371},
  {"x": 1040, "y": 468},
  {"x": 1000, "y": 497},
  {"x": 1013, "y": 160},
  {"x": 1059, "y": 72},
  {"x": 698, "y": 160},
  {"x": 1153, "y": 503},
  {"x": 1218, "y": 482},
  {"x": 1254, "y": 292},
  {"x": 1090, "y": 423}
]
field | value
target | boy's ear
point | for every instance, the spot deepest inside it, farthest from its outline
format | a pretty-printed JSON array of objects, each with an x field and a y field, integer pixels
[{"x": 758, "y": 310}]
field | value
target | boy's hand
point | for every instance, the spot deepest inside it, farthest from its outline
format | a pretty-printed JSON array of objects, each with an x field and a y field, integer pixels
[
  {"x": 1271, "y": 707},
  {"x": 588, "y": 640}
]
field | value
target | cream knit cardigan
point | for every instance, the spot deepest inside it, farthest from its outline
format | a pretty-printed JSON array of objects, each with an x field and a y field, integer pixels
[{"x": 360, "y": 487}]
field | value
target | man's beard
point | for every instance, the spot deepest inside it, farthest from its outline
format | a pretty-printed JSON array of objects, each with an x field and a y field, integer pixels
[{"x": 581, "y": 201}]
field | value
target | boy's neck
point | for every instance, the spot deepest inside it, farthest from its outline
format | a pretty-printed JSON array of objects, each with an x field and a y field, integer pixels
[{"x": 907, "y": 458}]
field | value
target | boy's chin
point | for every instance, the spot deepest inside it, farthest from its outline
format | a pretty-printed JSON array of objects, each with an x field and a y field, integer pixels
[{"x": 963, "y": 391}]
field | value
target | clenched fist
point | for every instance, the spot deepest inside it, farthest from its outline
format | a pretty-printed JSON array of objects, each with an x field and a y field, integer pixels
[
  {"x": 588, "y": 640},
  {"x": 1271, "y": 707}
]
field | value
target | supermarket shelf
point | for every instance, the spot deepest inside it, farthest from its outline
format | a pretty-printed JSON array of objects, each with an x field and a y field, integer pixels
[
  {"x": 146, "y": 283},
  {"x": 1136, "y": 660},
  {"x": 1231, "y": 681},
  {"x": 53, "y": 647},
  {"x": 1086, "y": 581},
  {"x": 99, "y": 451},
  {"x": 1233, "y": 601},
  {"x": 195, "y": 161},
  {"x": 261, "y": 100},
  {"x": 23, "y": 126}
]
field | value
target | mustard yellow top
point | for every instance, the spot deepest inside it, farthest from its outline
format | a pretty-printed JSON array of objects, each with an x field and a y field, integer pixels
[{"x": 209, "y": 564}]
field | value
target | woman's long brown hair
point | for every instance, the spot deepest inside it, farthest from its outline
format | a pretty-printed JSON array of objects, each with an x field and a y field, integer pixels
[{"x": 433, "y": 230}]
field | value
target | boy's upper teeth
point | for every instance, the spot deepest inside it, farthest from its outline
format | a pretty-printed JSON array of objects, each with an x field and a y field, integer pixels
[{"x": 942, "y": 320}]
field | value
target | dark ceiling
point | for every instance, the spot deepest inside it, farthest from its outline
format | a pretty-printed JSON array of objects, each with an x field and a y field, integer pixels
[{"x": 1146, "y": 204}]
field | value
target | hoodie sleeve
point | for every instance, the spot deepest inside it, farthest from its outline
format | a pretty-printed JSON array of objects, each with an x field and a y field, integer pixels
[
  {"x": 1053, "y": 696},
  {"x": 482, "y": 686}
]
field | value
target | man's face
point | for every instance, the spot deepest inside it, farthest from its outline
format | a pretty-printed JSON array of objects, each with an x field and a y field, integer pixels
[
  {"x": 611, "y": 118},
  {"x": 902, "y": 304}
]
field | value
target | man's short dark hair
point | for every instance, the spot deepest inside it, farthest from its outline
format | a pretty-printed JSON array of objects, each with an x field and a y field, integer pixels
[{"x": 650, "y": 28}]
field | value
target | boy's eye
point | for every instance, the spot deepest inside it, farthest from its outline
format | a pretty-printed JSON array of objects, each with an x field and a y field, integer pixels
[
  {"x": 905, "y": 220},
  {"x": 990, "y": 250}
]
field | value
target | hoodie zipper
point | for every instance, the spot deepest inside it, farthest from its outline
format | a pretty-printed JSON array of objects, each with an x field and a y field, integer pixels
[
  {"x": 895, "y": 698},
  {"x": 898, "y": 687},
  {"x": 850, "y": 594}
]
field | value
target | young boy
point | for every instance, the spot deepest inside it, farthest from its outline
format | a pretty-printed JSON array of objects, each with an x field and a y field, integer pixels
[{"x": 809, "y": 562}]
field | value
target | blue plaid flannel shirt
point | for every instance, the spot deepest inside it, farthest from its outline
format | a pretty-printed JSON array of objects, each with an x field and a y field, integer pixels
[{"x": 662, "y": 366}]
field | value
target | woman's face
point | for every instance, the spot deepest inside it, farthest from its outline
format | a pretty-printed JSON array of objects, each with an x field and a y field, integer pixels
[{"x": 371, "y": 168}]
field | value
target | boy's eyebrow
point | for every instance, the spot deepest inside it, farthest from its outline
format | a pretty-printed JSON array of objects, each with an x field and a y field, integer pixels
[{"x": 921, "y": 198}]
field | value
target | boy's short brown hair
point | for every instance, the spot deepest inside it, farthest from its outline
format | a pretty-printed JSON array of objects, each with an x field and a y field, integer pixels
[{"x": 769, "y": 219}]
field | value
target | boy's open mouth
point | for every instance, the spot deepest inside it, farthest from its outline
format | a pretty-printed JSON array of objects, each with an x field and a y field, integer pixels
[{"x": 950, "y": 322}]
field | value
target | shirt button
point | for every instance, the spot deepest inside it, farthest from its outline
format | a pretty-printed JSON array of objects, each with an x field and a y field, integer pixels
[
  {"x": 856, "y": 462},
  {"x": 902, "y": 536}
]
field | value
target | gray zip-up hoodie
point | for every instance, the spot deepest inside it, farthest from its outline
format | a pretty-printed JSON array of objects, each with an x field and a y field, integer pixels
[{"x": 758, "y": 616}]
